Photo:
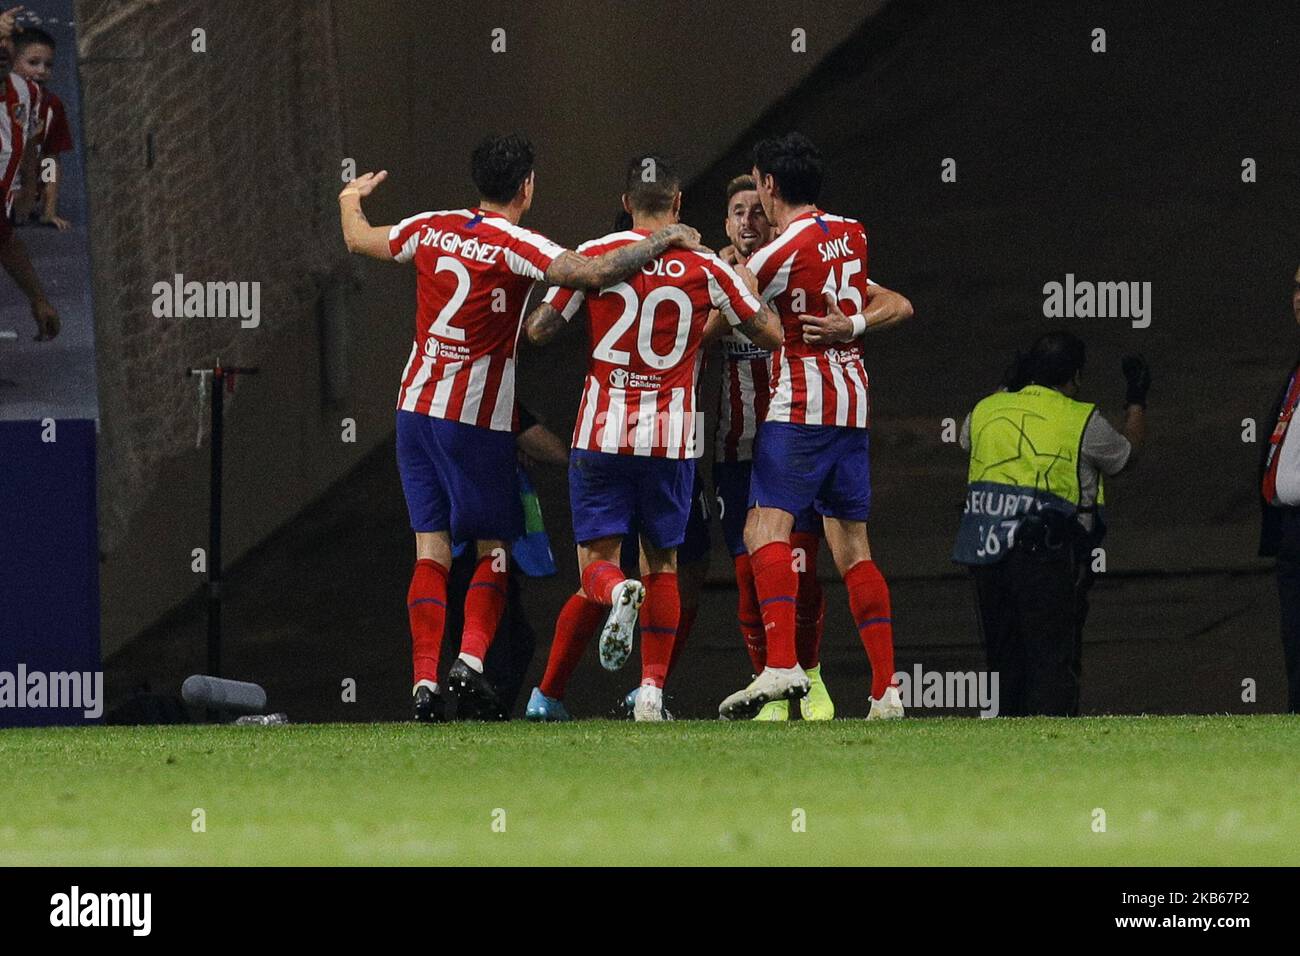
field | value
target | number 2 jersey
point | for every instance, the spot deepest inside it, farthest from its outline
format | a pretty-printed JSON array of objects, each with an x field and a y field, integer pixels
[
  {"x": 640, "y": 392},
  {"x": 473, "y": 273},
  {"x": 815, "y": 384}
]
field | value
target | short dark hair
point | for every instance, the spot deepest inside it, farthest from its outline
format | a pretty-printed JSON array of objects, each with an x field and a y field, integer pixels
[
  {"x": 500, "y": 164},
  {"x": 1053, "y": 361},
  {"x": 32, "y": 36},
  {"x": 742, "y": 183},
  {"x": 795, "y": 163},
  {"x": 653, "y": 194}
]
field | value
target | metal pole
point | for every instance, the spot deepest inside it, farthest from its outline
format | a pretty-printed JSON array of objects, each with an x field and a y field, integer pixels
[
  {"x": 214, "y": 526},
  {"x": 220, "y": 375}
]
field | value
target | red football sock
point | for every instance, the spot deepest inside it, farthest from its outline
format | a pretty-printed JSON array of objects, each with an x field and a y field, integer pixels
[
  {"x": 683, "y": 632},
  {"x": 810, "y": 602},
  {"x": 426, "y": 605},
  {"x": 748, "y": 614},
  {"x": 869, "y": 601},
  {"x": 599, "y": 579},
  {"x": 776, "y": 583},
  {"x": 485, "y": 601},
  {"x": 574, "y": 629},
  {"x": 660, "y": 616}
]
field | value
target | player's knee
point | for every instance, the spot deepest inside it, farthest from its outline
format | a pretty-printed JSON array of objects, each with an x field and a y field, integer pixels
[
  {"x": 849, "y": 546},
  {"x": 765, "y": 525},
  {"x": 757, "y": 532},
  {"x": 657, "y": 562},
  {"x": 496, "y": 550},
  {"x": 433, "y": 545}
]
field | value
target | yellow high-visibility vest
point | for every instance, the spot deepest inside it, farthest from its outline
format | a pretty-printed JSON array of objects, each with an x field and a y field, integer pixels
[{"x": 1026, "y": 450}]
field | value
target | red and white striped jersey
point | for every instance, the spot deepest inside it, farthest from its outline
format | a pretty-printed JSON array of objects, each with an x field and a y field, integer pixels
[
  {"x": 473, "y": 273},
  {"x": 643, "y": 371},
  {"x": 22, "y": 108},
  {"x": 815, "y": 384},
  {"x": 743, "y": 399},
  {"x": 55, "y": 136}
]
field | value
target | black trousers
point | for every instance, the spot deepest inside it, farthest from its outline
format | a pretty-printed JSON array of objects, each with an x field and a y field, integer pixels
[
  {"x": 1288, "y": 591},
  {"x": 1032, "y": 607}
]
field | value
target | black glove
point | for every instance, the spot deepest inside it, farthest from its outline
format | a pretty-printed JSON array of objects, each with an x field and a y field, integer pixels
[{"x": 1138, "y": 376}]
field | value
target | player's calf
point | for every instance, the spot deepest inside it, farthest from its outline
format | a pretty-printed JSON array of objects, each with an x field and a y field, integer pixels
[{"x": 659, "y": 620}]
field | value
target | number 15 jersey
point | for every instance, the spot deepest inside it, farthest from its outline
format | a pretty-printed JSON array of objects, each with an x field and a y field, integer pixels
[{"x": 815, "y": 384}]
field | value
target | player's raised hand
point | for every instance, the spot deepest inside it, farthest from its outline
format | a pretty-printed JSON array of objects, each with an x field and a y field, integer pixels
[
  {"x": 730, "y": 256},
  {"x": 827, "y": 329},
  {"x": 364, "y": 185}
]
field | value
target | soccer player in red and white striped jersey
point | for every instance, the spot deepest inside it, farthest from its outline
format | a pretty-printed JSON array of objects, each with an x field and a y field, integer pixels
[
  {"x": 638, "y": 435},
  {"x": 456, "y": 405},
  {"x": 742, "y": 406},
  {"x": 817, "y": 420}
]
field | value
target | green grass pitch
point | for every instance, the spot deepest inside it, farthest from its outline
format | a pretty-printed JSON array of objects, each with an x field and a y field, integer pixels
[{"x": 1190, "y": 790}]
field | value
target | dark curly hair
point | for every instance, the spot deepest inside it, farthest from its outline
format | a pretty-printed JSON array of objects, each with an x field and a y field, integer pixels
[
  {"x": 500, "y": 164},
  {"x": 796, "y": 165}
]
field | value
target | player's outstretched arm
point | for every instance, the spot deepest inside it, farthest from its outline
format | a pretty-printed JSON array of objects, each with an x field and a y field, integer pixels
[
  {"x": 884, "y": 309},
  {"x": 543, "y": 324},
  {"x": 358, "y": 235},
  {"x": 578, "y": 272},
  {"x": 542, "y": 446}
]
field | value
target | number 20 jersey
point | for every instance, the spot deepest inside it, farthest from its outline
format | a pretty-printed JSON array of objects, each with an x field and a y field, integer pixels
[{"x": 640, "y": 393}]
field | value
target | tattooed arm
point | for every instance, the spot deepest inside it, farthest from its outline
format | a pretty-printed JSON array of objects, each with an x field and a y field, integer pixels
[
  {"x": 358, "y": 234},
  {"x": 578, "y": 272},
  {"x": 543, "y": 324},
  {"x": 764, "y": 329}
]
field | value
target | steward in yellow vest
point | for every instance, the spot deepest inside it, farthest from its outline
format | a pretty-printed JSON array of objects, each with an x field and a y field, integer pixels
[
  {"x": 1026, "y": 448},
  {"x": 1035, "y": 486}
]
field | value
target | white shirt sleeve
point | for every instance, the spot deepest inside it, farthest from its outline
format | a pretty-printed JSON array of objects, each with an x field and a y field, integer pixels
[{"x": 1106, "y": 448}]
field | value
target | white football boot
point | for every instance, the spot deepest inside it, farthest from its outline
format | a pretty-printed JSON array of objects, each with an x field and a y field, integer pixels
[
  {"x": 889, "y": 707},
  {"x": 620, "y": 627},
  {"x": 649, "y": 703},
  {"x": 775, "y": 683}
]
